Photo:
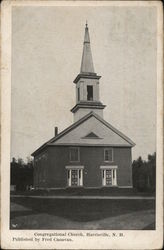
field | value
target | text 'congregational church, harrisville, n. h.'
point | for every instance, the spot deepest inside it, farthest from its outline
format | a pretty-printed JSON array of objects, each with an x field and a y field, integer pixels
[{"x": 90, "y": 153}]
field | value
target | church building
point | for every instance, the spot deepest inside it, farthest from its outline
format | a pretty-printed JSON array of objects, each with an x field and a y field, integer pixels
[{"x": 90, "y": 153}]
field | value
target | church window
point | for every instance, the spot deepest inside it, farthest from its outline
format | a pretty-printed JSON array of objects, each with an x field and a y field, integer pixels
[
  {"x": 74, "y": 154},
  {"x": 78, "y": 94},
  {"x": 90, "y": 93},
  {"x": 108, "y": 154}
]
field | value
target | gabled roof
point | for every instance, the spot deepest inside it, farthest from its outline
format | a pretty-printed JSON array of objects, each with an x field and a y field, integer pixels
[{"x": 54, "y": 140}]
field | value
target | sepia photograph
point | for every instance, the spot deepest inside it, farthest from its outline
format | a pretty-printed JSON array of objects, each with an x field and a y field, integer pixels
[{"x": 83, "y": 119}]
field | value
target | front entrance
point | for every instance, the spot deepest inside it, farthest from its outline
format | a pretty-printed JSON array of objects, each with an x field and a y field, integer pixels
[
  {"x": 74, "y": 177},
  {"x": 109, "y": 176}
]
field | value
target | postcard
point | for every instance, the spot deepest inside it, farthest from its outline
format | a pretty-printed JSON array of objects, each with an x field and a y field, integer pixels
[{"x": 82, "y": 125}]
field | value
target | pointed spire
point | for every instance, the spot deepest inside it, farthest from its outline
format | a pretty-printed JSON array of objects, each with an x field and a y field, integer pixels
[{"x": 87, "y": 62}]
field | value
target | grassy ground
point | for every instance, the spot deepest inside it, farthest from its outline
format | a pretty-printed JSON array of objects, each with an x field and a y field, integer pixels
[
  {"x": 32, "y": 213},
  {"x": 114, "y": 191}
]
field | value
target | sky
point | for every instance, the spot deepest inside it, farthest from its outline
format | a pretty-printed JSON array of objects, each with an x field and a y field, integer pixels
[{"x": 47, "y": 45}]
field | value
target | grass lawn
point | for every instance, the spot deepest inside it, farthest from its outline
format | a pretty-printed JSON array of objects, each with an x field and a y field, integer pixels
[
  {"x": 32, "y": 213},
  {"x": 114, "y": 191}
]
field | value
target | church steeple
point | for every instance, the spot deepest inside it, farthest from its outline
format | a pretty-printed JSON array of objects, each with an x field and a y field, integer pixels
[
  {"x": 87, "y": 61},
  {"x": 87, "y": 84}
]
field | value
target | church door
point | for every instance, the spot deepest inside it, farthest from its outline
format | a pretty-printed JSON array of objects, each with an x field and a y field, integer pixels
[
  {"x": 74, "y": 177},
  {"x": 109, "y": 177}
]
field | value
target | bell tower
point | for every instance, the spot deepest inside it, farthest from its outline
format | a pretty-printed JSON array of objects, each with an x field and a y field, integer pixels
[{"x": 87, "y": 84}]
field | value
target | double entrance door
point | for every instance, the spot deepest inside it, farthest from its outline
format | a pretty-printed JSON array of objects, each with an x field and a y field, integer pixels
[{"x": 75, "y": 175}]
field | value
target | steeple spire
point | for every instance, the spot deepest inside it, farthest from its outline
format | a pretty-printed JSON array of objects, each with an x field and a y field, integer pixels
[
  {"x": 87, "y": 62},
  {"x": 87, "y": 84}
]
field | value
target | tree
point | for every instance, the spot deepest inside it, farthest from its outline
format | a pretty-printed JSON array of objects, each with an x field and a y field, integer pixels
[
  {"x": 144, "y": 173},
  {"x": 21, "y": 174}
]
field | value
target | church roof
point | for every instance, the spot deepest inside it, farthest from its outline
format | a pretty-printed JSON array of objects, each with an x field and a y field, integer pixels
[
  {"x": 87, "y": 62},
  {"x": 77, "y": 134}
]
